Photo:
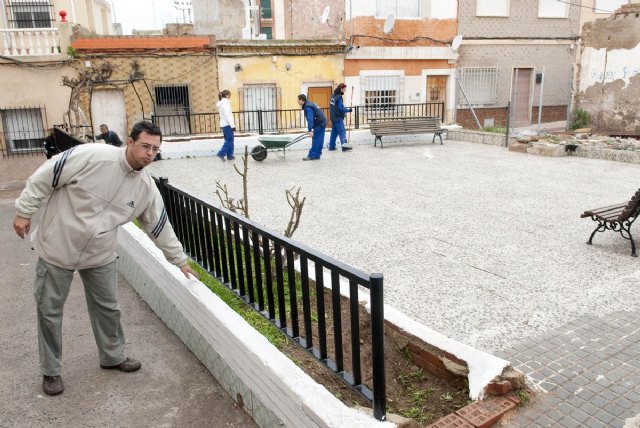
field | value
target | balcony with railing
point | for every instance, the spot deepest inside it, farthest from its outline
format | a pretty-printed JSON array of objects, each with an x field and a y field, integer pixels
[
  {"x": 29, "y": 41},
  {"x": 32, "y": 29}
]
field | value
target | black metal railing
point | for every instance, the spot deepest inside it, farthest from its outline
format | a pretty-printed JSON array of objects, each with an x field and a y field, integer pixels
[
  {"x": 276, "y": 121},
  {"x": 285, "y": 282}
]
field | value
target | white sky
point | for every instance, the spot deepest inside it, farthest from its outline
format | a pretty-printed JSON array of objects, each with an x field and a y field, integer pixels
[{"x": 146, "y": 14}]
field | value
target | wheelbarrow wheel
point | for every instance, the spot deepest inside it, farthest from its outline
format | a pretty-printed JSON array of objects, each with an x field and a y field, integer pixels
[{"x": 259, "y": 153}]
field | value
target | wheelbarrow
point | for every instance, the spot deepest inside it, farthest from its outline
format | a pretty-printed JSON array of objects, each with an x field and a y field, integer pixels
[{"x": 274, "y": 144}]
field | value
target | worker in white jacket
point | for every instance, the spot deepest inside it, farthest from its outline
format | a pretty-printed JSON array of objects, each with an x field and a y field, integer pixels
[
  {"x": 227, "y": 125},
  {"x": 92, "y": 189}
]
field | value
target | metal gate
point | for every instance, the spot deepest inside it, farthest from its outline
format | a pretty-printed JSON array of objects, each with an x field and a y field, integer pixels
[
  {"x": 172, "y": 109},
  {"x": 260, "y": 103}
]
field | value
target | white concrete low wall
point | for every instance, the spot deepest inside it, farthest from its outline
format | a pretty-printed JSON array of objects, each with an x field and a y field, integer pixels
[
  {"x": 274, "y": 391},
  {"x": 490, "y": 138}
]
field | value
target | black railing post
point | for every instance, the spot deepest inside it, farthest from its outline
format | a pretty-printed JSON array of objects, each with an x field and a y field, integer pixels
[
  {"x": 163, "y": 192},
  {"x": 357, "y": 120},
  {"x": 260, "y": 125},
  {"x": 377, "y": 347}
]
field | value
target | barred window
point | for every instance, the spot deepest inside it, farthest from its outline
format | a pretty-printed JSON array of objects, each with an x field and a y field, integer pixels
[
  {"x": 24, "y": 128},
  {"x": 30, "y": 13},
  {"x": 382, "y": 92},
  {"x": 480, "y": 85}
]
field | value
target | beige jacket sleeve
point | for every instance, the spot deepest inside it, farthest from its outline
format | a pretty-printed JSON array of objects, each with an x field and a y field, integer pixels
[
  {"x": 53, "y": 174},
  {"x": 155, "y": 222}
]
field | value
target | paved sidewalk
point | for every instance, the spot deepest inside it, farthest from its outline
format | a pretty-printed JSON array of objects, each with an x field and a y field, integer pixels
[
  {"x": 172, "y": 389},
  {"x": 587, "y": 372}
]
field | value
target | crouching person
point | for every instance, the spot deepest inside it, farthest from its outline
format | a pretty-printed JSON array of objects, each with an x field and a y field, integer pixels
[{"x": 92, "y": 189}]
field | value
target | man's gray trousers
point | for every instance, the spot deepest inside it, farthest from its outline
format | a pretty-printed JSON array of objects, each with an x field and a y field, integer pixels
[{"x": 51, "y": 289}]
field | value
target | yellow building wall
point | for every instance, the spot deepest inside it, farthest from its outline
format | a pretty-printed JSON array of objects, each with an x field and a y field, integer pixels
[{"x": 290, "y": 74}]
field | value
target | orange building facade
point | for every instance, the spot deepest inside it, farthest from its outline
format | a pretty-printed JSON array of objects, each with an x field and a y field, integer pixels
[{"x": 401, "y": 53}]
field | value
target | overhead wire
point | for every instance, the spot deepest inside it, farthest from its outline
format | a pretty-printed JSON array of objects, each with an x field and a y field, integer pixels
[{"x": 585, "y": 7}]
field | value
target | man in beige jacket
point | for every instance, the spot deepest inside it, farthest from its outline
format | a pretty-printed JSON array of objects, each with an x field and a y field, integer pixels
[{"x": 92, "y": 189}]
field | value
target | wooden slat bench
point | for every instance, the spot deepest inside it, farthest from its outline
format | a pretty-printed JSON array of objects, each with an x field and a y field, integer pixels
[
  {"x": 405, "y": 126},
  {"x": 617, "y": 218}
]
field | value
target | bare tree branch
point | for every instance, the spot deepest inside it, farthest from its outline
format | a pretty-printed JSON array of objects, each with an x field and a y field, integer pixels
[
  {"x": 296, "y": 210},
  {"x": 244, "y": 203},
  {"x": 226, "y": 200}
]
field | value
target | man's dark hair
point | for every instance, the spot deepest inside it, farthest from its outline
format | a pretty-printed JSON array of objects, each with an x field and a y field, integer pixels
[
  {"x": 104, "y": 124},
  {"x": 144, "y": 126},
  {"x": 302, "y": 97}
]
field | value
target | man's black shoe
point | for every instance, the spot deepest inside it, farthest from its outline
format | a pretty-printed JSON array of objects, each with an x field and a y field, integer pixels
[
  {"x": 52, "y": 385},
  {"x": 128, "y": 365}
]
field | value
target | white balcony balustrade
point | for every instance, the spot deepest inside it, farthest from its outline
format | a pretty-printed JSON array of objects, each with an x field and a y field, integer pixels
[{"x": 29, "y": 41}]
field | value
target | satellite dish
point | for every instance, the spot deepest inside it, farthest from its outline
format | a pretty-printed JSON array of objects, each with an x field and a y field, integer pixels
[
  {"x": 456, "y": 42},
  {"x": 325, "y": 15},
  {"x": 389, "y": 23}
]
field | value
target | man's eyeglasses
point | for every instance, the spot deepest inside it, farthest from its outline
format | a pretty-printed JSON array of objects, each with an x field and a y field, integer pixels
[{"x": 148, "y": 147}]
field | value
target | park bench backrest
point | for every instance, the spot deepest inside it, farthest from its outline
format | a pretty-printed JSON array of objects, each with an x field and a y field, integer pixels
[{"x": 632, "y": 208}]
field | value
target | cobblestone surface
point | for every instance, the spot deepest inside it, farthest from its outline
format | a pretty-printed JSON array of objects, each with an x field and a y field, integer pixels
[{"x": 587, "y": 372}]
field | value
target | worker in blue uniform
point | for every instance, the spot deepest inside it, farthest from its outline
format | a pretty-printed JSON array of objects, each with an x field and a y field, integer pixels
[
  {"x": 337, "y": 112},
  {"x": 316, "y": 125}
]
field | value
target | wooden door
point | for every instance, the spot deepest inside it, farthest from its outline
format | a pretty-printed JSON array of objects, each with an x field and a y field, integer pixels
[
  {"x": 321, "y": 96},
  {"x": 521, "y": 90},
  {"x": 436, "y": 89}
]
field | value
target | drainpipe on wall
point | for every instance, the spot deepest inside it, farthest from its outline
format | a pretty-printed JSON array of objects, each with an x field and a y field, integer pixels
[{"x": 540, "y": 103}]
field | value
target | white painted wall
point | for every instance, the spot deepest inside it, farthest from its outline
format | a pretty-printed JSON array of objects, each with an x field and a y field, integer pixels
[
  {"x": 600, "y": 66},
  {"x": 492, "y": 8},
  {"x": 363, "y": 8},
  {"x": 442, "y": 9},
  {"x": 552, "y": 9}
]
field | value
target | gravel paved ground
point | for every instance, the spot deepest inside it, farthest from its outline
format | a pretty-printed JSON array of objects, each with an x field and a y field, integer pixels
[{"x": 479, "y": 243}]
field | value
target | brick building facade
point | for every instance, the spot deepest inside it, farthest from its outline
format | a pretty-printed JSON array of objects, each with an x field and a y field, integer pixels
[
  {"x": 508, "y": 47},
  {"x": 178, "y": 76}
]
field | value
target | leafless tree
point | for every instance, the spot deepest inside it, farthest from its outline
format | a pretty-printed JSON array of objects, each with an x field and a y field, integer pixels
[
  {"x": 74, "y": 117},
  {"x": 296, "y": 210},
  {"x": 241, "y": 206}
]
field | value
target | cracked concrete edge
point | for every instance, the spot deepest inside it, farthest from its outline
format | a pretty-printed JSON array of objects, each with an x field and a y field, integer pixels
[{"x": 273, "y": 390}]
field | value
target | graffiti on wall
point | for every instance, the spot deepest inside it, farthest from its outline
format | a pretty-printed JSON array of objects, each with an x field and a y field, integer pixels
[{"x": 605, "y": 66}]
